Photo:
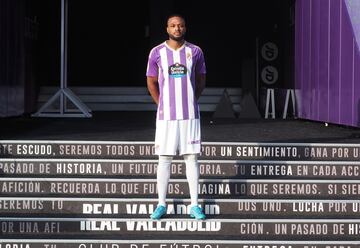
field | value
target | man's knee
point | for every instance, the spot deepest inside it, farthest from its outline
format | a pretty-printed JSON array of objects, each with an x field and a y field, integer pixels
[
  {"x": 163, "y": 160},
  {"x": 190, "y": 157}
]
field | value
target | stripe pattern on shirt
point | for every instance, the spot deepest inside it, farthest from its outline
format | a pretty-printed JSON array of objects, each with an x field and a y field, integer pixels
[{"x": 177, "y": 92}]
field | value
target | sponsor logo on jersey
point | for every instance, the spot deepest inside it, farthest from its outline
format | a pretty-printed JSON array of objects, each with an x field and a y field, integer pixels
[{"x": 177, "y": 70}]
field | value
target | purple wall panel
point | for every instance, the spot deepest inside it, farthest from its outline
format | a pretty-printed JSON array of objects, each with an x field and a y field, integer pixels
[
  {"x": 353, "y": 8},
  {"x": 346, "y": 69},
  {"x": 327, "y": 71},
  {"x": 324, "y": 61},
  {"x": 356, "y": 88},
  {"x": 298, "y": 52},
  {"x": 334, "y": 60},
  {"x": 306, "y": 56},
  {"x": 314, "y": 58}
]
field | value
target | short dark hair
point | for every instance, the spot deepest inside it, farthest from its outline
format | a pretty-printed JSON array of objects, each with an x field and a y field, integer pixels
[{"x": 174, "y": 15}]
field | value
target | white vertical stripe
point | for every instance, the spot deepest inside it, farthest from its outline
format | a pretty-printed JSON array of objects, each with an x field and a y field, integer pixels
[
  {"x": 166, "y": 92},
  {"x": 178, "y": 91},
  {"x": 190, "y": 90}
]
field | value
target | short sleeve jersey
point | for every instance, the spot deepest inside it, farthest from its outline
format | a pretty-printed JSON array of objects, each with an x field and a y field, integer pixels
[{"x": 176, "y": 71}]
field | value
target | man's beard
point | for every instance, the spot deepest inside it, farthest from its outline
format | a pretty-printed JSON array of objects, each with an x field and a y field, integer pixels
[{"x": 176, "y": 38}]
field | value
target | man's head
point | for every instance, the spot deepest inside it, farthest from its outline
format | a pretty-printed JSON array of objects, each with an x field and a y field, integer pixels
[{"x": 176, "y": 28}]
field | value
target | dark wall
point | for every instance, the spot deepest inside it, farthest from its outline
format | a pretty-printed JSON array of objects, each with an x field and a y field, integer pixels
[
  {"x": 48, "y": 16},
  {"x": 109, "y": 42}
]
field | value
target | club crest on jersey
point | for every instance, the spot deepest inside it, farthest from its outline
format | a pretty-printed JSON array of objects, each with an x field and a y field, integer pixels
[
  {"x": 188, "y": 56},
  {"x": 177, "y": 70}
]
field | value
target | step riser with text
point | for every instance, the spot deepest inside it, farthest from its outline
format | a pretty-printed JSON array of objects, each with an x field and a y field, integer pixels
[{"x": 275, "y": 194}]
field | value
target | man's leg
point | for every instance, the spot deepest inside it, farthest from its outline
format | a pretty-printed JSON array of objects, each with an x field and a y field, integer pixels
[
  {"x": 192, "y": 175},
  {"x": 166, "y": 138},
  {"x": 190, "y": 142},
  {"x": 162, "y": 178}
]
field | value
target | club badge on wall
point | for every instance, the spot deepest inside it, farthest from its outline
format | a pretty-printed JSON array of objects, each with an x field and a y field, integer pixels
[{"x": 269, "y": 72}]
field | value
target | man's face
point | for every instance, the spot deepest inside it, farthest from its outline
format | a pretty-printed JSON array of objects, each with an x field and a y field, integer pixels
[{"x": 176, "y": 28}]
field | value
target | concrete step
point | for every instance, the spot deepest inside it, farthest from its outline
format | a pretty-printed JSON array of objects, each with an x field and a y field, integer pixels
[
  {"x": 210, "y": 150},
  {"x": 241, "y": 169},
  {"x": 178, "y": 188},
  {"x": 185, "y": 229},
  {"x": 178, "y": 208},
  {"x": 116, "y": 243}
]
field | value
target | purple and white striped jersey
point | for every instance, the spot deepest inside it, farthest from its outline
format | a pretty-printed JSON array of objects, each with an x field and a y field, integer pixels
[{"x": 176, "y": 71}]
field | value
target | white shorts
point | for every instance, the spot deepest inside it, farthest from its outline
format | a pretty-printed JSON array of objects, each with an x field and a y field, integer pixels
[{"x": 181, "y": 135}]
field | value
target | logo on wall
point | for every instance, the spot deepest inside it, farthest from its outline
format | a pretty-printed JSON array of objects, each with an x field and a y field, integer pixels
[
  {"x": 269, "y": 73},
  {"x": 269, "y": 63},
  {"x": 269, "y": 51}
]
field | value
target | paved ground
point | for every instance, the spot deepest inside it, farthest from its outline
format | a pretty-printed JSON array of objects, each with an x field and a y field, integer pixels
[{"x": 140, "y": 126}]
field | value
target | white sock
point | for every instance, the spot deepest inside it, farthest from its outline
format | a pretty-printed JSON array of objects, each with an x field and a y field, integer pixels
[
  {"x": 192, "y": 175},
  {"x": 162, "y": 177}
]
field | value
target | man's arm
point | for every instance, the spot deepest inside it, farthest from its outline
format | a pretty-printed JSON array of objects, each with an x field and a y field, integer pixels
[
  {"x": 153, "y": 87},
  {"x": 200, "y": 85}
]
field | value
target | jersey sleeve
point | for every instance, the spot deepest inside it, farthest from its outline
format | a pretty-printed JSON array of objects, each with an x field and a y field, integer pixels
[
  {"x": 200, "y": 63},
  {"x": 152, "y": 66}
]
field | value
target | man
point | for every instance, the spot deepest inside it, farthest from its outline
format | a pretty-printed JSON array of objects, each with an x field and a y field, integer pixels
[{"x": 175, "y": 79}]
